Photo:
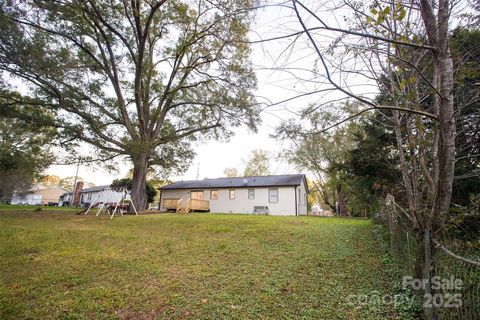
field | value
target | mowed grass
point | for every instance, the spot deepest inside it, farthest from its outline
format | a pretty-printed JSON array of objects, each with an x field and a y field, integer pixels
[
  {"x": 198, "y": 266},
  {"x": 13, "y": 207}
]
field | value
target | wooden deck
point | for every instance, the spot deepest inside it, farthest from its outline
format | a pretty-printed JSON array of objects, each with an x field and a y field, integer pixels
[
  {"x": 170, "y": 204},
  {"x": 180, "y": 205},
  {"x": 198, "y": 205}
]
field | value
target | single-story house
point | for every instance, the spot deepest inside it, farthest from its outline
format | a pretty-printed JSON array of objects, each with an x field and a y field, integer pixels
[
  {"x": 94, "y": 195},
  {"x": 283, "y": 195},
  {"x": 38, "y": 195}
]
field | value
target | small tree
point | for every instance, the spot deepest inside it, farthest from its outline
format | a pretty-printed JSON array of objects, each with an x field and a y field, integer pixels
[
  {"x": 68, "y": 182},
  {"x": 50, "y": 180},
  {"x": 322, "y": 155},
  {"x": 403, "y": 47},
  {"x": 258, "y": 164},
  {"x": 230, "y": 172}
]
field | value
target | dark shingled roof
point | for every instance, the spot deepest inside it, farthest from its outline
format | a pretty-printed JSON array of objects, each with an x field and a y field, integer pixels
[
  {"x": 239, "y": 182},
  {"x": 96, "y": 188}
]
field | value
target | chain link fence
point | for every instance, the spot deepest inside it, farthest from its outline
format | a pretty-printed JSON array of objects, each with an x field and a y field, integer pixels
[{"x": 451, "y": 286}]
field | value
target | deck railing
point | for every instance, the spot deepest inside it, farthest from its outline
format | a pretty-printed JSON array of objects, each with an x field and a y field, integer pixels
[
  {"x": 170, "y": 203},
  {"x": 202, "y": 205},
  {"x": 186, "y": 205}
]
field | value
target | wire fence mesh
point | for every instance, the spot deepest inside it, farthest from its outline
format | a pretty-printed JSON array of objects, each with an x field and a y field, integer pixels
[{"x": 455, "y": 259}]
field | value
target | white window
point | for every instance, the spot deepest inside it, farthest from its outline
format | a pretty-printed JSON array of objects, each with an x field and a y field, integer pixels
[
  {"x": 251, "y": 194},
  {"x": 273, "y": 195},
  {"x": 213, "y": 194},
  {"x": 231, "y": 194},
  {"x": 196, "y": 195}
]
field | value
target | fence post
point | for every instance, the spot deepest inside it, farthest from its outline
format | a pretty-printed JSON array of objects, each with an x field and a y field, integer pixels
[
  {"x": 393, "y": 230},
  {"x": 409, "y": 253},
  {"x": 427, "y": 308}
]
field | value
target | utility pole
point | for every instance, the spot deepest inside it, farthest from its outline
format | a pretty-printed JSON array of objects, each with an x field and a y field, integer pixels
[{"x": 76, "y": 177}]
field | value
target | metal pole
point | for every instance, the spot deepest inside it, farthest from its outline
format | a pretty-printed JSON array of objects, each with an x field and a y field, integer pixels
[
  {"x": 76, "y": 177},
  {"x": 428, "y": 309},
  {"x": 93, "y": 203}
]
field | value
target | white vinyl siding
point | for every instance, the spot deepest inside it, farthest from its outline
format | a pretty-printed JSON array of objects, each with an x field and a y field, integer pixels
[
  {"x": 241, "y": 204},
  {"x": 251, "y": 194},
  {"x": 273, "y": 195},
  {"x": 106, "y": 195},
  {"x": 302, "y": 199}
]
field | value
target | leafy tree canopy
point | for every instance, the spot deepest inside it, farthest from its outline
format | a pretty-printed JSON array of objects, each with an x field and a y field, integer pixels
[
  {"x": 127, "y": 183},
  {"x": 24, "y": 155},
  {"x": 68, "y": 182},
  {"x": 231, "y": 172},
  {"x": 50, "y": 180},
  {"x": 258, "y": 164}
]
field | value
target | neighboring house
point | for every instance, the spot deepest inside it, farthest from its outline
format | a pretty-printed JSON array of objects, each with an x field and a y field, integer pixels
[
  {"x": 317, "y": 210},
  {"x": 95, "y": 195},
  {"x": 65, "y": 199},
  {"x": 283, "y": 195},
  {"x": 38, "y": 195}
]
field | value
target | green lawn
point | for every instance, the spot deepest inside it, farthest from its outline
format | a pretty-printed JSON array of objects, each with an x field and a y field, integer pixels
[
  {"x": 201, "y": 266},
  {"x": 13, "y": 207}
]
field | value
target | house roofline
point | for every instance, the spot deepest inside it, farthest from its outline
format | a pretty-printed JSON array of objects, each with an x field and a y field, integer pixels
[
  {"x": 232, "y": 187},
  {"x": 283, "y": 180}
]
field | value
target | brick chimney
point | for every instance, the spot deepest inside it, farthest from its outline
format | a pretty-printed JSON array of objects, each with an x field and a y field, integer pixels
[{"x": 76, "y": 193}]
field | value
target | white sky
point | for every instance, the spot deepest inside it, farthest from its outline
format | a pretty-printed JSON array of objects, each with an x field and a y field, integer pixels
[{"x": 213, "y": 157}]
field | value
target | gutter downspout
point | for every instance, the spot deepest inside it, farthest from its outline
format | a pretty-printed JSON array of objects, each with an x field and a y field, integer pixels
[
  {"x": 296, "y": 205},
  {"x": 160, "y": 201}
]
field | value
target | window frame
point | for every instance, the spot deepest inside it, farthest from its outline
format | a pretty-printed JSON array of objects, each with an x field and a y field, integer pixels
[
  {"x": 197, "y": 191},
  {"x": 270, "y": 195},
  {"x": 253, "y": 194},
  {"x": 230, "y": 194},
  {"x": 211, "y": 192}
]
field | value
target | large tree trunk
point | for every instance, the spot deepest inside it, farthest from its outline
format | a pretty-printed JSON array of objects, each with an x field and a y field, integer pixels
[
  {"x": 342, "y": 202},
  {"x": 437, "y": 32},
  {"x": 446, "y": 145},
  {"x": 324, "y": 195},
  {"x": 139, "y": 181}
]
